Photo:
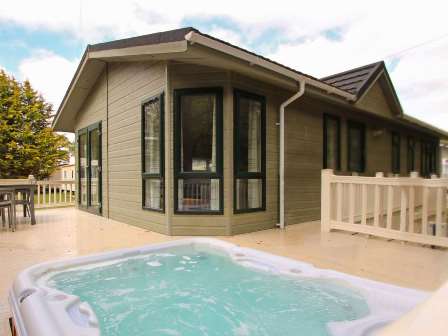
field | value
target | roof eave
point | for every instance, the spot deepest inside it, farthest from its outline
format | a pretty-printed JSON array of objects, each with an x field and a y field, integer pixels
[
  {"x": 162, "y": 49},
  {"x": 421, "y": 124},
  {"x": 75, "y": 77},
  {"x": 140, "y": 51},
  {"x": 252, "y": 59}
]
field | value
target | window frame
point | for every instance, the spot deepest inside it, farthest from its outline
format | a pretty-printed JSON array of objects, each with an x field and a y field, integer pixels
[
  {"x": 411, "y": 147},
  {"x": 429, "y": 157},
  {"x": 98, "y": 210},
  {"x": 397, "y": 160},
  {"x": 237, "y": 174},
  {"x": 356, "y": 125},
  {"x": 177, "y": 123},
  {"x": 338, "y": 121},
  {"x": 161, "y": 174}
]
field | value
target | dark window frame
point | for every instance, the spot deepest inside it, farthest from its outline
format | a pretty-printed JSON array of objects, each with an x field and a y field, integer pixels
[
  {"x": 429, "y": 157},
  {"x": 178, "y": 174},
  {"x": 237, "y": 94},
  {"x": 338, "y": 153},
  {"x": 356, "y": 125},
  {"x": 395, "y": 155},
  {"x": 87, "y": 131},
  {"x": 410, "y": 155},
  {"x": 161, "y": 175}
]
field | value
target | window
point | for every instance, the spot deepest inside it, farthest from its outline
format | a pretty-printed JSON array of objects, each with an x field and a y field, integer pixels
[
  {"x": 396, "y": 143},
  {"x": 153, "y": 154},
  {"x": 429, "y": 158},
  {"x": 249, "y": 152},
  {"x": 198, "y": 151},
  {"x": 89, "y": 167},
  {"x": 411, "y": 154},
  {"x": 82, "y": 162},
  {"x": 356, "y": 147},
  {"x": 332, "y": 143}
]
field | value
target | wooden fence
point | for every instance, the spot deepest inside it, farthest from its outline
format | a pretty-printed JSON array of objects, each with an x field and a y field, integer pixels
[
  {"x": 404, "y": 208},
  {"x": 53, "y": 193}
]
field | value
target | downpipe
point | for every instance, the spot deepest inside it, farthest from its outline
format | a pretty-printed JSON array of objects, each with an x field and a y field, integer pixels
[{"x": 293, "y": 98}]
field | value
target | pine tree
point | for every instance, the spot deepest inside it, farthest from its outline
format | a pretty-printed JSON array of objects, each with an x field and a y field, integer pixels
[{"x": 28, "y": 145}]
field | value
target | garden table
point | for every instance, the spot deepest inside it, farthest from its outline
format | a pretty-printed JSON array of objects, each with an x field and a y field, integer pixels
[{"x": 27, "y": 189}]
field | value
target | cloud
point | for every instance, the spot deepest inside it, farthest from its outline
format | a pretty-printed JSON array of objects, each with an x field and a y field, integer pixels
[
  {"x": 319, "y": 37},
  {"x": 96, "y": 20},
  {"x": 49, "y": 73},
  {"x": 421, "y": 79},
  {"x": 417, "y": 61}
]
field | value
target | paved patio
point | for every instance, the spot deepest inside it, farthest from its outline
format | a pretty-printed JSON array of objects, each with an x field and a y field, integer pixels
[{"x": 68, "y": 232}]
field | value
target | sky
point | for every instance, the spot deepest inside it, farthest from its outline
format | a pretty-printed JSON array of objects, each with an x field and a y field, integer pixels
[{"x": 43, "y": 40}]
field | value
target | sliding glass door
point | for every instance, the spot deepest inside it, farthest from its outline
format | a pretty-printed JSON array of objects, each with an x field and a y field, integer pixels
[
  {"x": 82, "y": 169},
  {"x": 89, "y": 167}
]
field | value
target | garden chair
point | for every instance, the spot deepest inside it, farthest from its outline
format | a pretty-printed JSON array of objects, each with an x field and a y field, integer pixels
[
  {"x": 25, "y": 201},
  {"x": 6, "y": 205}
]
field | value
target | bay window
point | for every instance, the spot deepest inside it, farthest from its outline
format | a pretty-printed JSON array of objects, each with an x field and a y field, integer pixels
[
  {"x": 198, "y": 150},
  {"x": 249, "y": 152},
  {"x": 153, "y": 154}
]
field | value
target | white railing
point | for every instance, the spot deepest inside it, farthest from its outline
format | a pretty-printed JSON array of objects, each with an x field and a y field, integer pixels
[
  {"x": 50, "y": 194},
  {"x": 403, "y": 208}
]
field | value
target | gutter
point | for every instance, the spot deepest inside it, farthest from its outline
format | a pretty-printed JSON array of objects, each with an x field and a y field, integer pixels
[
  {"x": 409, "y": 119},
  {"x": 253, "y": 59},
  {"x": 293, "y": 98}
]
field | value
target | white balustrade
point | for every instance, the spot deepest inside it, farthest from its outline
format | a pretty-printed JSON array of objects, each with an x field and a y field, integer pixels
[
  {"x": 55, "y": 193},
  {"x": 403, "y": 208}
]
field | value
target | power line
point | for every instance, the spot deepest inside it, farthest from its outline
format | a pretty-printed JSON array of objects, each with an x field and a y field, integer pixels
[{"x": 404, "y": 51}]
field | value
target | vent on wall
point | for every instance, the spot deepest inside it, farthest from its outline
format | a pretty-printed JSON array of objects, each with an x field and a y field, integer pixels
[{"x": 378, "y": 132}]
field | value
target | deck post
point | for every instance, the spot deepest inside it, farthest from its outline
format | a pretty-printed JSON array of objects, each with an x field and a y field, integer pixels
[
  {"x": 377, "y": 201},
  {"x": 325, "y": 203}
]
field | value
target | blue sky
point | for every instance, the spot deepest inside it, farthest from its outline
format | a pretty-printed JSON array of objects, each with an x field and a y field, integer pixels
[
  {"x": 18, "y": 43},
  {"x": 43, "y": 41}
]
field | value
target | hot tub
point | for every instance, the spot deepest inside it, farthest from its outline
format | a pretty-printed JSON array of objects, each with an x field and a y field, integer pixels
[{"x": 199, "y": 286}]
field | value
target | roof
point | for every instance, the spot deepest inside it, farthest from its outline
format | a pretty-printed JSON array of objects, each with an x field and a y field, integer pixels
[
  {"x": 167, "y": 45},
  {"x": 178, "y": 35},
  {"x": 348, "y": 86},
  {"x": 356, "y": 81},
  {"x": 175, "y": 35}
]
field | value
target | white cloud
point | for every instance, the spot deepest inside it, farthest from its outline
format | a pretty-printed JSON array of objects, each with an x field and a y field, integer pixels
[
  {"x": 93, "y": 20},
  {"x": 368, "y": 33},
  {"x": 228, "y": 36},
  {"x": 49, "y": 73},
  {"x": 421, "y": 76},
  {"x": 421, "y": 79}
]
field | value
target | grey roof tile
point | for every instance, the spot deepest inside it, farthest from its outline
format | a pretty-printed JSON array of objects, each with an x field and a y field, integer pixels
[{"x": 357, "y": 80}]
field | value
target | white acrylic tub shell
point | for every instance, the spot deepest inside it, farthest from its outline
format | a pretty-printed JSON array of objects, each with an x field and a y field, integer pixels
[{"x": 39, "y": 310}]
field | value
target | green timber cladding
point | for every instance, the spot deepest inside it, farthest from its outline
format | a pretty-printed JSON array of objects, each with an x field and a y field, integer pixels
[{"x": 124, "y": 85}]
